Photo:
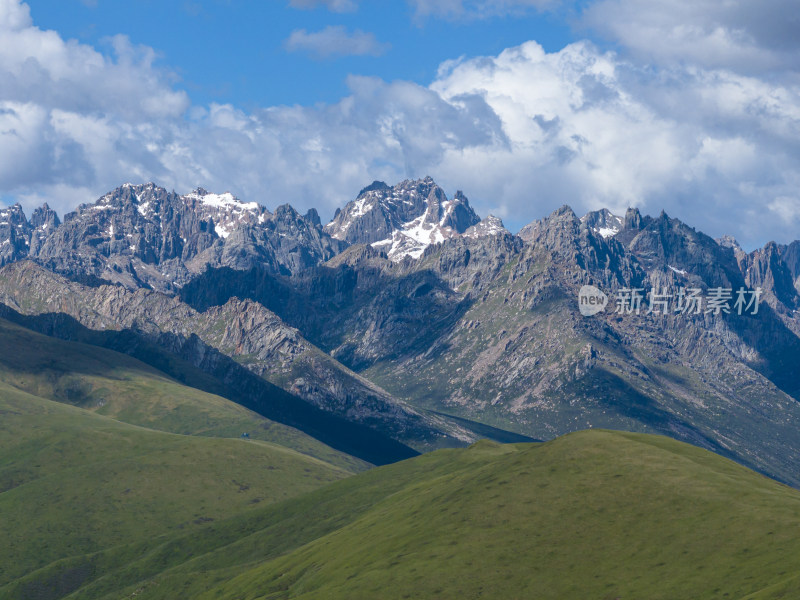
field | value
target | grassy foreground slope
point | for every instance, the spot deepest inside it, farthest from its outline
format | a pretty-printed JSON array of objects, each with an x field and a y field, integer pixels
[
  {"x": 594, "y": 514},
  {"x": 121, "y": 387},
  {"x": 82, "y": 495}
]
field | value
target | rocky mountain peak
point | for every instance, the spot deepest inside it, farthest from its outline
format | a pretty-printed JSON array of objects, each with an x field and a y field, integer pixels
[
  {"x": 632, "y": 224},
  {"x": 19, "y": 237},
  {"x": 765, "y": 268},
  {"x": 561, "y": 227},
  {"x": 403, "y": 220},
  {"x": 491, "y": 225},
  {"x": 374, "y": 186},
  {"x": 15, "y": 233},
  {"x": 603, "y": 222},
  {"x": 44, "y": 222},
  {"x": 285, "y": 214},
  {"x": 728, "y": 241},
  {"x": 533, "y": 230},
  {"x": 633, "y": 219},
  {"x": 226, "y": 210},
  {"x": 312, "y": 216},
  {"x": 667, "y": 245},
  {"x": 563, "y": 212},
  {"x": 144, "y": 236},
  {"x": 791, "y": 257},
  {"x": 45, "y": 217},
  {"x": 13, "y": 214}
]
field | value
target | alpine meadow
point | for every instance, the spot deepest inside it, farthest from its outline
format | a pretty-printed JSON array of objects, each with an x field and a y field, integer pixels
[{"x": 551, "y": 351}]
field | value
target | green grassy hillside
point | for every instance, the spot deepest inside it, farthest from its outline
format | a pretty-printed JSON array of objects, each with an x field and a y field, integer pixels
[
  {"x": 82, "y": 494},
  {"x": 92, "y": 507},
  {"x": 594, "y": 514},
  {"x": 121, "y": 387}
]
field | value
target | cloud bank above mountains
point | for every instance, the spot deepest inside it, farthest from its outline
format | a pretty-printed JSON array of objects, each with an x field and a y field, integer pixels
[{"x": 693, "y": 108}]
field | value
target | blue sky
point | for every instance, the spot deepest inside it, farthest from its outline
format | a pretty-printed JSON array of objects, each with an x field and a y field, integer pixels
[
  {"x": 692, "y": 106},
  {"x": 237, "y": 51}
]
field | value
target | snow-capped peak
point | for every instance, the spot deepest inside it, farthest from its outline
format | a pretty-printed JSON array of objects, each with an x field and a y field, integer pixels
[
  {"x": 603, "y": 222},
  {"x": 491, "y": 225},
  {"x": 225, "y": 201},
  {"x": 226, "y": 210},
  {"x": 403, "y": 220}
]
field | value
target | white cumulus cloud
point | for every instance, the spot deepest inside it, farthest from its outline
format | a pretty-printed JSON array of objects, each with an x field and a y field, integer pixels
[
  {"x": 521, "y": 133},
  {"x": 589, "y": 129},
  {"x": 335, "y": 40},
  {"x": 740, "y": 35}
]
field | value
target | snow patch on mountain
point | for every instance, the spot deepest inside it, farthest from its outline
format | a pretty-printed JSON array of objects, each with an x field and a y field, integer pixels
[
  {"x": 405, "y": 219},
  {"x": 608, "y": 231},
  {"x": 491, "y": 225},
  {"x": 603, "y": 222},
  {"x": 226, "y": 201},
  {"x": 227, "y": 212},
  {"x": 678, "y": 271},
  {"x": 412, "y": 238}
]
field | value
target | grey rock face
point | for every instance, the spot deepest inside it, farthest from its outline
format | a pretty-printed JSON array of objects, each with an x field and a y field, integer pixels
[
  {"x": 765, "y": 268},
  {"x": 20, "y": 238},
  {"x": 667, "y": 243},
  {"x": 403, "y": 220},
  {"x": 728, "y": 241},
  {"x": 44, "y": 221},
  {"x": 240, "y": 329},
  {"x": 491, "y": 225},
  {"x": 791, "y": 257},
  {"x": 489, "y": 329},
  {"x": 45, "y": 218},
  {"x": 379, "y": 209},
  {"x": 457, "y": 215},
  {"x": 407, "y": 295},
  {"x": 603, "y": 222},
  {"x": 143, "y": 235},
  {"x": 15, "y": 234},
  {"x": 633, "y": 219}
]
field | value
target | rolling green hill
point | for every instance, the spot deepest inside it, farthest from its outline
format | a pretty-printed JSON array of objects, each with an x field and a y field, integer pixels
[
  {"x": 121, "y": 387},
  {"x": 82, "y": 494},
  {"x": 594, "y": 514},
  {"x": 97, "y": 504}
]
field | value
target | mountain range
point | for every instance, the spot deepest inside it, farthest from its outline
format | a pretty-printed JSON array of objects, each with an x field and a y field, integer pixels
[{"x": 408, "y": 323}]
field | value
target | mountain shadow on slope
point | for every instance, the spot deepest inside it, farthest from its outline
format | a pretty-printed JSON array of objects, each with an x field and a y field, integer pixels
[{"x": 192, "y": 363}]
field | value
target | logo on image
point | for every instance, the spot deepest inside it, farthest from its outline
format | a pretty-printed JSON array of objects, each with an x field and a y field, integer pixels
[
  {"x": 591, "y": 300},
  {"x": 681, "y": 301}
]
